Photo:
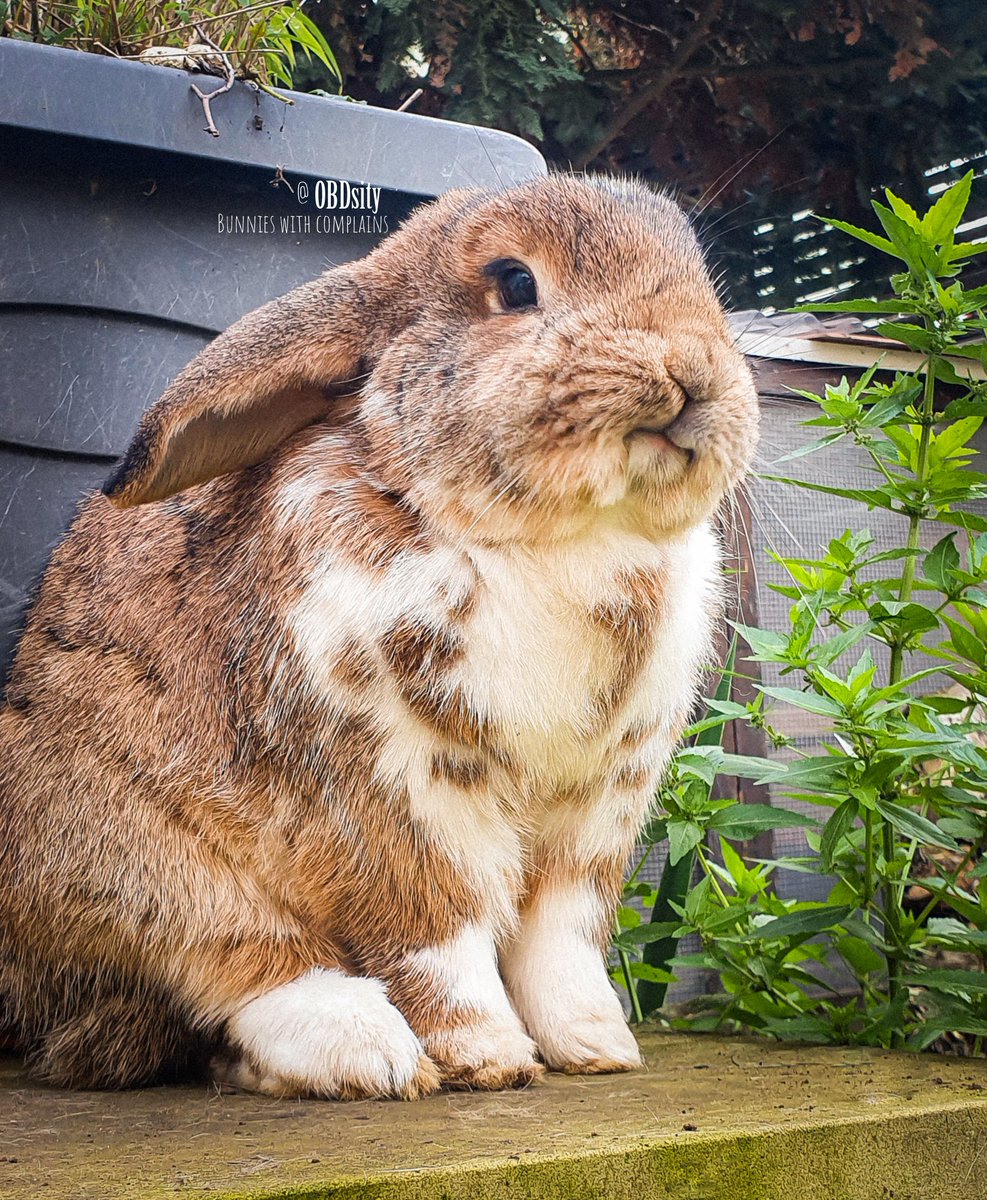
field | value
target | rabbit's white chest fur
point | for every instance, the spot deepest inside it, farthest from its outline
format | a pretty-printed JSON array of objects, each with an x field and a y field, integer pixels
[
  {"x": 541, "y": 663},
  {"x": 518, "y": 666}
]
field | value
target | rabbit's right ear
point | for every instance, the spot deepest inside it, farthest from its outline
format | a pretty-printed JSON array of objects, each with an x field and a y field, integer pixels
[{"x": 267, "y": 376}]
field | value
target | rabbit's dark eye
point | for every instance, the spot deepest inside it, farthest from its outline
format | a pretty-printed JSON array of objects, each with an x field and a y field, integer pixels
[{"x": 515, "y": 284}]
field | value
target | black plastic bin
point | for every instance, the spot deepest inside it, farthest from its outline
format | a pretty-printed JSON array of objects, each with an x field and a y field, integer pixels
[{"x": 129, "y": 237}]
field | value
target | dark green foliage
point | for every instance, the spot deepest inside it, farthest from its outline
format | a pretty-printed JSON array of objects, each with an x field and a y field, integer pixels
[{"x": 755, "y": 108}]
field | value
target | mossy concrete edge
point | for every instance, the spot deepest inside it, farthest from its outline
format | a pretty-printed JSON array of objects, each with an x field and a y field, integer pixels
[{"x": 934, "y": 1154}]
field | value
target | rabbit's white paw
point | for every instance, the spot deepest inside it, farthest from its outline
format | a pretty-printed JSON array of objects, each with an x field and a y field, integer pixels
[
  {"x": 475, "y": 1036},
  {"x": 588, "y": 1043},
  {"x": 489, "y": 1053},
  {"x": 326, "y": 1034},
  {"x": 558, "y": 983}
]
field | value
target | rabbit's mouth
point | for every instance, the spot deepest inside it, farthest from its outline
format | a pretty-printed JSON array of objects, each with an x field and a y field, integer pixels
[{"x": 658, "y": 440}]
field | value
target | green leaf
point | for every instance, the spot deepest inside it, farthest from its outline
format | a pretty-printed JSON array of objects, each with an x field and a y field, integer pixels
[
  {"x": 699, "y": 762},
  {"x": 640, "y": 970},
  {"x": 808, "y": 701},
  {"x": 805, "y": 922},
  {"x": 908, "y": 244},
  {"x": 958, "y": 1022},
  {"x": 727, "y": 708},
  {"x": 904, "y": 210},
  {"x": 872, "y": 497},
  {"x": 962, "y": 520},
  {"x": 907, "y": 618},
  {"x": 863, "y": 958},
  {"x": 965, "y": 642},
  {"x": 962, "y": 902},
  {"x": 713, "y": 723},
  {"x": 973, "y": 405},
  {"x": 946, "y": 743},
  {"x": 952, "y": 982},
  {"x": 977, "y": 351},
  {"x": 824, "y": 771},
  {"x": 885, "y": 410},
  {"x": 950, "y": 932},
  {"x": 966, "y": 250},
  {"x": 954, "y": 438},
  {"x": 843, "y": 819},
  {"x": 826, "y": 653},
  {"x": 651, "y": 931},
  {"x": 863, "y": 235},
  {"x": 939, "y": 223},
  {"x": 914, "y": 825},
  {"x": 890, "y": 556},
  {"x": 941, "y": 561},
  {"x": 914, "y": 336},
  {"x": 827, "y": 439},
  {"x": 683, "y": 836},
  {"x": 805, "y": 1028},
  {"x": 744, "y": 766},
  {"x": 767, "y": 645},
  {"x": 742, "y": 821},
  {"x": 863, "y": 306},
  {"x": 655, "y": 831}
]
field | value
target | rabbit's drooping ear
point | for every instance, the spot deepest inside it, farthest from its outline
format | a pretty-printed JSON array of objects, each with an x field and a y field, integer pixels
[{"x": 266, "y": 377}]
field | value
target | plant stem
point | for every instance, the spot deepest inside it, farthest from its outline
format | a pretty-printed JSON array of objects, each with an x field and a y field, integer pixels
[
  {"x": 625, "y": 966},
  {"x": 632, "y": 878},
  {"x": 951, "y": 882},
  {"x": 893, "y": 892},
  {"x": 868, "y": 857},
  {"x": 711, "y": 875},
  {"x": 915, "y": 518}
]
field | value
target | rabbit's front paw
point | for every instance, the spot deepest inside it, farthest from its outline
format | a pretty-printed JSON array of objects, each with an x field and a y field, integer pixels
[
  {"x": 557, "y": 980},
  {"x": 326, "y": 1034},
  {"x": 488, "y": 1054},
  {"x": 590, "y": 1044}
]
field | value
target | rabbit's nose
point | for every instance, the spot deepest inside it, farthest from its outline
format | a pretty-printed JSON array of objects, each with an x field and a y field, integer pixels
[
  {"x": 678, "y": 395},
  {"x": 700, "y": 367}
]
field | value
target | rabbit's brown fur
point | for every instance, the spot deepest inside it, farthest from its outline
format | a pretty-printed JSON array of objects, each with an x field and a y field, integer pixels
[{"x": 367, "y": 669}]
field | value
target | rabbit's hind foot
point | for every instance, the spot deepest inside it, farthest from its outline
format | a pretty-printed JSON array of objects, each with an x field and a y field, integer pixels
[
  {"x": 122, "y": 1041},
  {"x": 329, "y": 1035}
]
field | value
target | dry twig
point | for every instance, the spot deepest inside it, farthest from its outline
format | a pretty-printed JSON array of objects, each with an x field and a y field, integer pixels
[
  {"x": 208, "y": 97},
  {"x": 658, "y": 86},
  {"x": 411, "y": 99}
]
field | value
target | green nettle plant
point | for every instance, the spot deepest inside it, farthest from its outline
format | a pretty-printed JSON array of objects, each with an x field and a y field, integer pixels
[{"x": 901, "y": 786}]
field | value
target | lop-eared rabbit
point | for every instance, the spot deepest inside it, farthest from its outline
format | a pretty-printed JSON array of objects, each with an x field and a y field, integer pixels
[{"x": 336, "y": 716}]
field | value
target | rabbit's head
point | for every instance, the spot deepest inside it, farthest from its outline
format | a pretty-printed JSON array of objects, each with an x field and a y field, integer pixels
[{"x": 522, "y": 361}]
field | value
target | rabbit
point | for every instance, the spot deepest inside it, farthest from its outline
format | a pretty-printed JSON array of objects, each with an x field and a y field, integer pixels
[{"x": 339, "y": 710}]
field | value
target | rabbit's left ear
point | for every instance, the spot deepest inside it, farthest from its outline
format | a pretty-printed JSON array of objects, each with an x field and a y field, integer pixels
[{"x": 266, "y": 377}]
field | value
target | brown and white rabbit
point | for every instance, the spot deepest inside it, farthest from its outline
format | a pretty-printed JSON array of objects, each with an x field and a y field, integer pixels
[{"x": 335, "y": 719}]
